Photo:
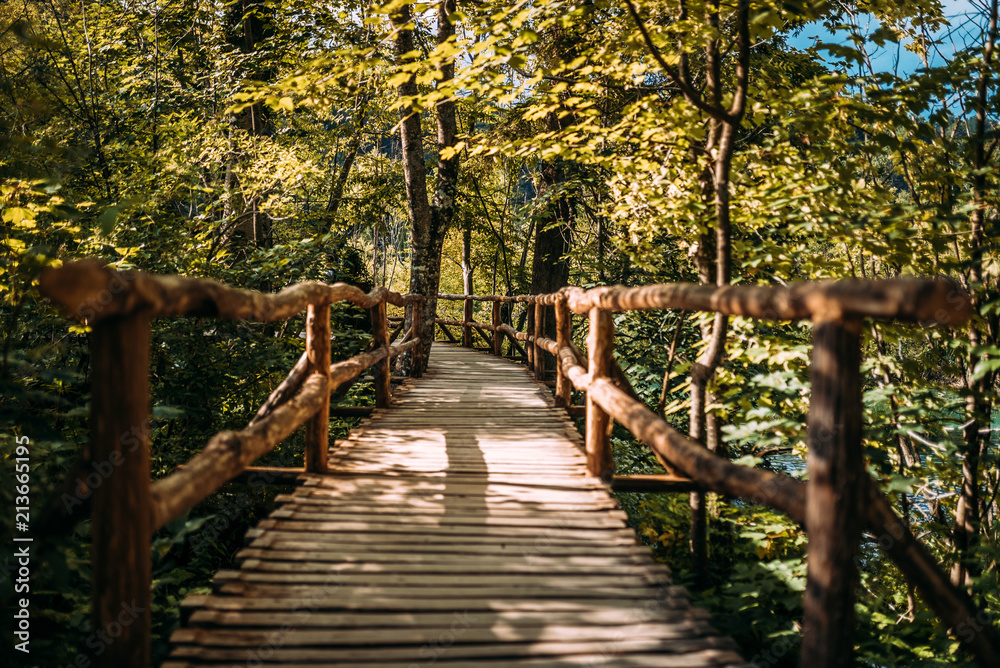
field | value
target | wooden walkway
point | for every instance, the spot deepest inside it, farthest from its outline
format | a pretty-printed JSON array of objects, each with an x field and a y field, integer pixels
[{"x": 456, "y": 529}]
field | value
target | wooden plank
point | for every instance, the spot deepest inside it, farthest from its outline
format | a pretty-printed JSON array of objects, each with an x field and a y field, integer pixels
[
  {"x": 296, "y": 541},
  {"x": 361, "y": 463},
  {"x": 335, "y": 655},
  {"x": 389, "y": 493},
  {"x": 459, "y": 422},
  {"x": 428, "y": 480},
  {"x": 320, "y": 512},
  {"x": 474, "y": 412},
  {"x": 346, "y": 485},
  {"x": 286, "y": 562},
  {"x": 435, "y": 500},
  {"x": 310, "y": 522},
  {"x": 415, "y": 596},
  {"x": 463, "y": 581},
  {"x": 427, "y": 620},
  {"x": 509, "y": 537},
  {"x": 667, "y": 598},
  {"x": 555, "y": 443},
  {"x": 710, "y": 658},
  {"x": 375, "y": 561},
  {"x": 307, "y": 637}
]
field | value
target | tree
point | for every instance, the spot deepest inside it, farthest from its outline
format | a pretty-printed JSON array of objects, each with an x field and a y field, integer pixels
[
  {"x": 429, "y": 221},
  {"x": 720, "y": 145}
]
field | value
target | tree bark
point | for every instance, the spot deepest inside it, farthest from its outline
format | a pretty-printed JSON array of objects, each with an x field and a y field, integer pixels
[
  {"x": 429, "y": 221},
  {"x": 723, "y": 129},
  {"x": 249, "y": 25},
  {"x": 467, "y": 268},
  {"x": 554, "y": 233},
  {"x": 350, "y": 154},
  {"x": 978, "y": 404},
  {"x": 554, "y": 228}
]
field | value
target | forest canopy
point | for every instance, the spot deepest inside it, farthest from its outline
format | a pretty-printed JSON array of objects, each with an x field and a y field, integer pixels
[{"x": 497, "y": 148}]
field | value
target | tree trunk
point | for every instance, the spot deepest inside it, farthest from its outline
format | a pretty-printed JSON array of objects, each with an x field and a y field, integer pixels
[
  {"x": 248, "y": 26},
  {"x": 978, "y": 404},
  {"x": 553, "y": 233},
  {"x": 342, "y": 174},
  {"x": 428, "y": 221},
  {"x": 467, "y": 287}
]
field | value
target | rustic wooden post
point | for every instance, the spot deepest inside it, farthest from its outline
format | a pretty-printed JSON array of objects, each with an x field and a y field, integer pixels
[
  {"x": 600, "y": 341},
  {"x": 417, "y": 329},
  {"x": 497, "y": 334},
  {"x": 833, "y": 507},
  {"x": 380, "y": 331},
  {"x": 529, "y": 328},
  {"x": 564, "y": 325},
  {"x": 318, "y": 352},
  {"x": 467, "y": 318},
  {"x": 121, "y": 511},
  {"x": 539, "y": 332}
]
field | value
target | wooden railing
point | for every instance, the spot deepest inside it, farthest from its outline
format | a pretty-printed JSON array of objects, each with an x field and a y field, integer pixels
[
  {"x": 839, "y": 501},
  {"x": 126, "y": 506}
]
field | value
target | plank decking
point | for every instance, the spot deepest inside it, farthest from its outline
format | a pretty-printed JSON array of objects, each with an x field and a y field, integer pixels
[{"x": 456, "y": 529}]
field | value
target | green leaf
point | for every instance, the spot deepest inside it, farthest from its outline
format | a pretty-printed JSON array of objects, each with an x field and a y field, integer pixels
[{"x": 108, "y": 219}]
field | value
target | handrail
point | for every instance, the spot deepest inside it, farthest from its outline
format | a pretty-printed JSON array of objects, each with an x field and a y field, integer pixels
[
  {"x": 91, "y": 291},
  {"x": 938, "y": 301},
  {"x": 227, "y": 454},
  {"x": 126, "y": 506},
  {"x": 840, "y": 498}
]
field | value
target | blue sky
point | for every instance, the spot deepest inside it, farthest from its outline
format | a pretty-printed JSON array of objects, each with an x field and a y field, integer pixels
[{"x": 895, "y": 56}]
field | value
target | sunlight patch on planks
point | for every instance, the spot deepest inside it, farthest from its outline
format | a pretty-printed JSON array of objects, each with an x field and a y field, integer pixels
[{"x": 457, "y": 528}]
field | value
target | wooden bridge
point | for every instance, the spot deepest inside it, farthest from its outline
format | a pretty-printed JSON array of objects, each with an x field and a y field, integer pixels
[
  {"x": 465, "y": 522},
  {"x": 459, "y": 528}
]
